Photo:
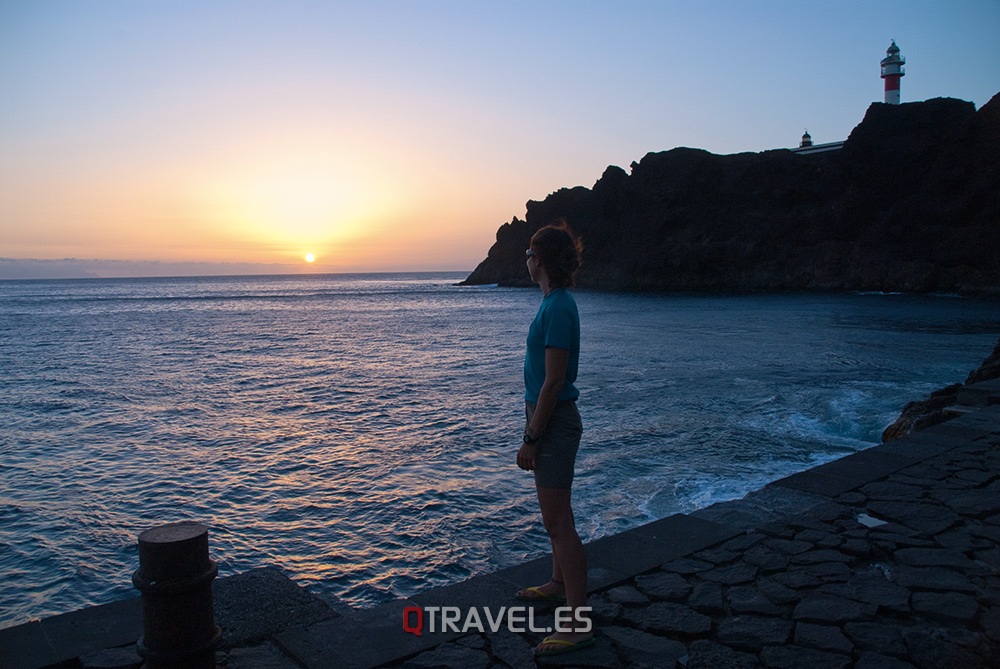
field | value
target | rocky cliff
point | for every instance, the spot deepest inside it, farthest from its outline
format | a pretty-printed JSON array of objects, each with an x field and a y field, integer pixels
[
  {"x": 934, "y": 410},
  {"x": 911, "y": 203}
]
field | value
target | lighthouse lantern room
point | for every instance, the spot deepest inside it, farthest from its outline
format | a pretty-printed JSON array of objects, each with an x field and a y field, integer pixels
[{"x": 892, "y": 72}]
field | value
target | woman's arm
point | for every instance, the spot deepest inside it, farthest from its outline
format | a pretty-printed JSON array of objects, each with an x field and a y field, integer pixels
[{"x": 556, "y": 362}]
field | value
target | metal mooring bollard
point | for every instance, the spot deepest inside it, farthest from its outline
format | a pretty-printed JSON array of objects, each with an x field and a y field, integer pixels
[{"x": 175, "y": 577}]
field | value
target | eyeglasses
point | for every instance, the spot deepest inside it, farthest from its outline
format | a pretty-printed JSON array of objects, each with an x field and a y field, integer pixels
[{"x": 530, "y": 254}]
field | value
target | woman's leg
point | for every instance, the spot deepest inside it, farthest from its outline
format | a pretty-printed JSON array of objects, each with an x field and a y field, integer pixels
[{"x": 568, "y": 557}]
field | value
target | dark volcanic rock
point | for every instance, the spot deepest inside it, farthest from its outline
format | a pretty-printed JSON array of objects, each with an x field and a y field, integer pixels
[
  {"x": 667, "y": 618},
  {"x": 746, "y": 599},
  {"x": 639, "y": 646},
  {"x": 671, "y": 587},
  {"x": 707, "y": 655},
  {"x": 830, "y": 610},
  {"x": 822, "y": 637},
  {"x": 910, "y": 203},
  {"x": 872, "y": 636},
  {"x": 795, "y": 657},
  {"x": 990, "y": 369},
  {"x": 922, "y": 413},
  {"x": 946, "y": 606},
  {"x": 931, "y": 411},
  {"x": 753, "y": 632},
  {"x": 707, "y": 598},
  {"x": 449, "y": 655}
]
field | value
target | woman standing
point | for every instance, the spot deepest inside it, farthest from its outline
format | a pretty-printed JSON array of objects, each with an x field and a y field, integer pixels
[{"x": 553, "y": 428}]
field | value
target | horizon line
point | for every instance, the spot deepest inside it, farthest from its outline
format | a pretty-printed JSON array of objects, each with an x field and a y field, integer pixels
[{"x": 56, "y": 269}]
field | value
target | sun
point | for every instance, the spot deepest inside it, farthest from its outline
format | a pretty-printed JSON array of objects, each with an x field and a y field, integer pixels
[{"x": 310, "y": 257}]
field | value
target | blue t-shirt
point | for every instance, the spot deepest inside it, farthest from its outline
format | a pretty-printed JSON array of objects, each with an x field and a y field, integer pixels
[{"x": 557, "y": 324}]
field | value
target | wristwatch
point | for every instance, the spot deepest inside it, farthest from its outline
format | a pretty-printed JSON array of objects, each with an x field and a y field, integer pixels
[{"x": 528, "y": 439}]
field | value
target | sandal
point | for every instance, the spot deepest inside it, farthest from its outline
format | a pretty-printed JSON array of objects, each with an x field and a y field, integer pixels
[
  {"x": 536, "y": 594},
  {"x": 563, "y": 646}
]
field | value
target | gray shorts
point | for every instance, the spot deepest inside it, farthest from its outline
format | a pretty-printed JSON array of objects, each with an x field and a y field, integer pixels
[{"x": 558, "y": 446}]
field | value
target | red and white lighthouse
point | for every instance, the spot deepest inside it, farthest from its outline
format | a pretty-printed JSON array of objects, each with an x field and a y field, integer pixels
[{"x": 892, "y": 72}]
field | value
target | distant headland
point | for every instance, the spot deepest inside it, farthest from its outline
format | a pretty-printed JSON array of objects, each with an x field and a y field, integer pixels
[{"x": 910, "y": 203}]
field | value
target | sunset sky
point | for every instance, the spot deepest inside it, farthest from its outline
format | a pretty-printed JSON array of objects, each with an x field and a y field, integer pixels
[{"x": 391, "y": 135}]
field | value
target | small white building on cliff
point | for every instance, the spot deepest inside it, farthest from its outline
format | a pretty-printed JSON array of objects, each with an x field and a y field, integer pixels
[{"x": 891, "y": 73}]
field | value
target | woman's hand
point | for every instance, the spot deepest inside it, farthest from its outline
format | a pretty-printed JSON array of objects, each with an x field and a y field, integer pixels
[{"x": 526, "y": 456}]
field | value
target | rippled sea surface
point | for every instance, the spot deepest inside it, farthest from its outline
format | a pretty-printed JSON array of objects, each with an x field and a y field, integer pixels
[{"x": 359, "y": 431}]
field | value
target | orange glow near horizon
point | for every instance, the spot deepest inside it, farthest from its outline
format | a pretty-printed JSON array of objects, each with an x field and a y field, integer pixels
[{"x": 291, "y": 206}]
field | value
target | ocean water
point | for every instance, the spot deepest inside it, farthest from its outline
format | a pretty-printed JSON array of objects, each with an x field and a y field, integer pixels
[{"x": 359, "y": 431}]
